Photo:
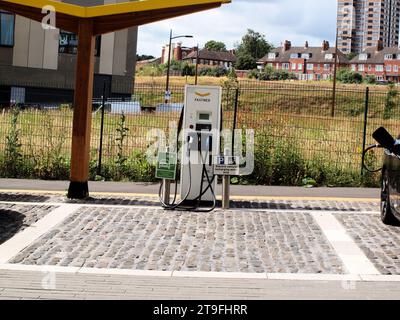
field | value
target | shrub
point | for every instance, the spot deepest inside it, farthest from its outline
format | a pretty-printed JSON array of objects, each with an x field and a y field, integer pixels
[
  {"x": 370, "y": 79},
  {"x": 348, "y": 76},
  {"x": 122, "y": 132},
  {"x": 188, "y": 70},
  {"x": 390, "y": 102},
  {"x": 214, "y": 72},
  {"x": 270, "y": 74},
  {"x": 12, "y": 161}
]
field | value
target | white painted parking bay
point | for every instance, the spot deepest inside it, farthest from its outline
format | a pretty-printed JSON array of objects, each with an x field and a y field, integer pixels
[{"x": 321, "y": 227}]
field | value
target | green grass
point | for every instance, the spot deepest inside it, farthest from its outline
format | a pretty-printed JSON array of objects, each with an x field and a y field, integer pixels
[{"x": 285, "y": 117}]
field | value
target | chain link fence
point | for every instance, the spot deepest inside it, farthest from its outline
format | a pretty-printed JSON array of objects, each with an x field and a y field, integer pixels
[{"x": 296, "y": 136}]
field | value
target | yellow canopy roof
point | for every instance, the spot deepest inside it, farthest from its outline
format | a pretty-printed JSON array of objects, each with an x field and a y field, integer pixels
[{"x": 110, "y": 17}]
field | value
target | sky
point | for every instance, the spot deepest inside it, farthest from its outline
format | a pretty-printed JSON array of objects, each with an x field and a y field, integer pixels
[{"x": 278, "y": 20}]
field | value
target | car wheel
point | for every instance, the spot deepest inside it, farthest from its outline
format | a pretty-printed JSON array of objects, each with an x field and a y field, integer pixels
[{"x": 386, "y": 211}]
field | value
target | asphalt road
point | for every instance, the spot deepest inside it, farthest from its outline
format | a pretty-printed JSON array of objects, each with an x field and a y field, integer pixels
[{"x": 150, "y": 188}]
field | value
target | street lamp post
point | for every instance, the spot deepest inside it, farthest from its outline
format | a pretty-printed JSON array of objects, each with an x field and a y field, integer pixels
[
  {"x": 167, "y": 183},
  {"x": 197, "y": 64},
  {"x": 335, "y": 70},
  {"x": 169, "y": 61}
]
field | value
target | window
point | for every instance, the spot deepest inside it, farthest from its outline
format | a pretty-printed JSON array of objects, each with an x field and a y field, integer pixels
[
  {"x": 327, "y": 67},
  {"x": 310, "y": 66},
  {"x": 68, "y": 43},
  {"x": 285, "y": 66},
  {"x": 6, "y": 29},
  {"x": 306, "y": 56},
  {"x": 361, "y": 67},
  {"x": 272, "y": 55},
  {"x": 329, "y": 56},
  {"x": 353, "y": 67},
  {"x": 379, "y": 68},
  {"x": 389, "y": 68},
  {"x": 294, "y": 66},
  {"x": 363, "y": 56},
  {"x": 300, "y": 66},
  {"x": 294, "y": 56},
  {"x": 388, "y": 57},
  {"x": 395, "y": 68}
]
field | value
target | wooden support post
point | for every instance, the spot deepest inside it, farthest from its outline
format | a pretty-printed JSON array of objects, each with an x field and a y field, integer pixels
[{"x": 80, "y": 152}]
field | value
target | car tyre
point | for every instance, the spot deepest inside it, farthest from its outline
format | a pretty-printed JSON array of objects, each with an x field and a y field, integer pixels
[{"x": 387, "y": 215}]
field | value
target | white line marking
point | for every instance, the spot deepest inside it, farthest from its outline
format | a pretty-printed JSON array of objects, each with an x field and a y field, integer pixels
[
  {"x": 351, "y": 255},
  {"x": 224, "y": 275},
  {"x": 23, "y": 239},
  {"x": 380, "y": 278},
  {"x": 210, "y": 275},
  {"x": 126, "y": 272},
  {"x": 39, "y": 268},
  {"x": 313, "y": 277},
  {"x": 118, "y": 206}
]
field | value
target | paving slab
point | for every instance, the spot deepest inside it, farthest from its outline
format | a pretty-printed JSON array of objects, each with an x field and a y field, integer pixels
[
  {"x": 87, "y": 286},
  {"x": 380, "y": 243}
]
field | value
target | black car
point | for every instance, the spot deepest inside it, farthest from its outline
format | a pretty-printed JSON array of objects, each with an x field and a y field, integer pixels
[{"x": 390, "y": 183}]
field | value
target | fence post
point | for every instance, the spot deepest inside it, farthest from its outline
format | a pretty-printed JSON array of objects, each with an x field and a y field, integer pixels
[
  {"x": 235, "y": 120},
  {"x": 103, "y": 105},
  {"x": 365, "y": 129}
]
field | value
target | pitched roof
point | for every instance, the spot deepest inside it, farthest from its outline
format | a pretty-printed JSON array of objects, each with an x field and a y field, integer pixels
[
  {"x": 375, "y": 56},
  {"x": 212, "y": 55},
  {"x": 317, "y": 55}
]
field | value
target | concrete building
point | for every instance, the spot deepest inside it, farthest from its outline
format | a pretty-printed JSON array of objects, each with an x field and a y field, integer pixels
[
  {"x": 178, "y": 53},
  {"x": 206, "y": 58},
  {"x": 307, "y": 63},
  {"x": 225, "y": 59},
  {"x": 38, "y": 66},
  {"x": 368, "y": 22}
]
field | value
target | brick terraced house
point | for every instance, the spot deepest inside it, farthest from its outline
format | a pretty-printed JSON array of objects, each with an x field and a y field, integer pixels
[
  {"x": 383, "y": 63},
  {"x": 308, "y": 63},
  {"x": 212, "y": 58}
]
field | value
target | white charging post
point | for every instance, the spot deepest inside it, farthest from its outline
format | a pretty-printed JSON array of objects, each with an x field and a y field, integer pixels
[{"x": 201, "y": 141}]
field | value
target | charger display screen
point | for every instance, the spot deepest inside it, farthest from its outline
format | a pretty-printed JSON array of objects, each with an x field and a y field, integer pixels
[{"x": 204, "y": 116}]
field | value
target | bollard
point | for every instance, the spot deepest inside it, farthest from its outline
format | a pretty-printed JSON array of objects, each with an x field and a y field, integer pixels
[
  {"x": 166, "y": 191},
  {"x": 226, "y": 186}
]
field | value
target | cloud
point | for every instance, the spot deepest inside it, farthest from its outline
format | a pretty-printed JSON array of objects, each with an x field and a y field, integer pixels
[{"x": 278, "y": 20}]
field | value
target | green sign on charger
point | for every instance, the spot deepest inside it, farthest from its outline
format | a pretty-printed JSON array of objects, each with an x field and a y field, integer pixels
[{"x": 166, "y": 166}]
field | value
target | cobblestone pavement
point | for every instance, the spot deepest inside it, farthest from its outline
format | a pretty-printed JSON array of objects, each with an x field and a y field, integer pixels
[
  {"x": 16, "y": 218},
  {"x": 380, "y": 243},
  {"x": 152, "y": 239}
]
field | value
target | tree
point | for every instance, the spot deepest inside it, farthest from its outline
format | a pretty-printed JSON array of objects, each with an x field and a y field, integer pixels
[
  {"x": 144, "y": 57},
  {"x": 244, "y": 61},
  {"x": 351, "y": 55},
  {"x": 254, "y": 45},
  {"x": 215, "y": 46}
]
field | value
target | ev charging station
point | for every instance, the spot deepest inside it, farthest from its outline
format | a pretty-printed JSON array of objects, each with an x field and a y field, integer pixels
[
  {"x": 201, "y": 136},
  {"x": 201, "y": 126}
]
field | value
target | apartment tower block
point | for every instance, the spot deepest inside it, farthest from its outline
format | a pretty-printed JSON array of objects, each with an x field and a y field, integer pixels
[{"x": 367, "y": 22}]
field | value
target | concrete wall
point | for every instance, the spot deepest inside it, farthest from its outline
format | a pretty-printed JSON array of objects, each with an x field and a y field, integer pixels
[{"x": 35, "y": 60}]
